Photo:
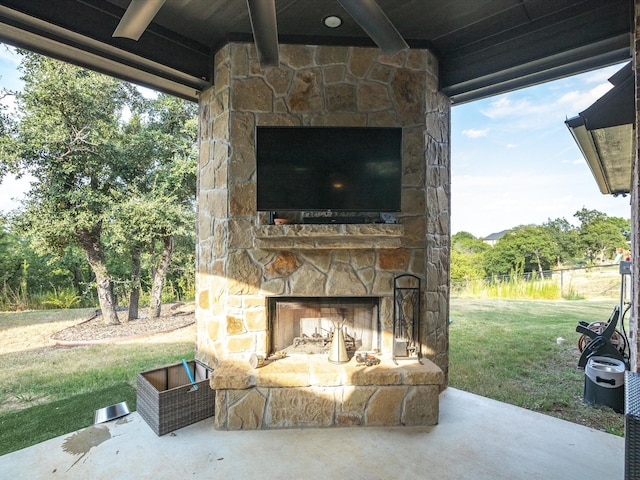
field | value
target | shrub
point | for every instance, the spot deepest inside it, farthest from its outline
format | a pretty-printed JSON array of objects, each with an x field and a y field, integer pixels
[{"x": 64, "y": 298}]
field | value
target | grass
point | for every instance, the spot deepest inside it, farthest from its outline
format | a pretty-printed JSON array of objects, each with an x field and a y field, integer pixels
[
  {"x": 506, "y": 350},
  {"x": 20, "y": 429},
  {"x": 513, "y": 288},
  {"x": 50, "y": 391},
  {"x": 39, "y": 317},
  {"x": 510, "y": 351}
]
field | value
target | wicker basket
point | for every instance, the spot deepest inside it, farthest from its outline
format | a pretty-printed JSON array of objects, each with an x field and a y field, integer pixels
[{"x": 166, "y": 400}]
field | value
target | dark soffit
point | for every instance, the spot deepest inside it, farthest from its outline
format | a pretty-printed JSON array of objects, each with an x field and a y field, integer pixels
[{"x": 484, "y": 47}]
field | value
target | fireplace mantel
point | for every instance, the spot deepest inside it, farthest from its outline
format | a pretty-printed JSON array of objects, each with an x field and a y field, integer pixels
[{"x": 333, "y": 236}]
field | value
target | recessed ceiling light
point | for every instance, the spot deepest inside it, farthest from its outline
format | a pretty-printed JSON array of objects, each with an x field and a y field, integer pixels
[{"x": 332, "y": 21}]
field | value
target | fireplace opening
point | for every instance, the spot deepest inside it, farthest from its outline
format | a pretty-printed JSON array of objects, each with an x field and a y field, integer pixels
[{"x": 305, "y": 325}]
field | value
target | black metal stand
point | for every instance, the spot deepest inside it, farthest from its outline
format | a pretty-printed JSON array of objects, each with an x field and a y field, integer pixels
[
  {"x": 406, "y": 318},
  {"x": 600, "y": 343}
]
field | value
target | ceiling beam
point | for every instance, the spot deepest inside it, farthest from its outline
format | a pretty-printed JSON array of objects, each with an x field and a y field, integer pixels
[
  {"x": 41, "y": 37},
  {"x": 264, "y": 25}
]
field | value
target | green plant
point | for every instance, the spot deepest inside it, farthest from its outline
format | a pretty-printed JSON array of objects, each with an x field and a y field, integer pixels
[
  {"x": 571, "y": 294},
  {"x": 512, "y": 287},
  {"x": 64, "y": 298},
  {"x": 13, "y": 299}
]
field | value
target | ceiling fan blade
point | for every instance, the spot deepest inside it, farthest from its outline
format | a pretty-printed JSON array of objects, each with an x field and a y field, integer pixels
[
  {"x": 369, "y": 15},
  {"x": 137, "y": 18},
  {"x": 262, "y": 14}
]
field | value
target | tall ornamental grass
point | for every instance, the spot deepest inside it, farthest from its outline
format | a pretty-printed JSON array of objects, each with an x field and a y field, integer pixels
[{"x": 517, "y": 288}]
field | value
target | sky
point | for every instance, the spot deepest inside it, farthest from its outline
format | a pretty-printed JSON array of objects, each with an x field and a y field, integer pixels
[
  {"x": 9, "y": 79},
  {"x": 513, "y": 160}
]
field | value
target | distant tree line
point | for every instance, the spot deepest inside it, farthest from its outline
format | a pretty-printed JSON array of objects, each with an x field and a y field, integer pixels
[
  {"x": 556, "y": 243},
  {"x": 110, "y": 217}
]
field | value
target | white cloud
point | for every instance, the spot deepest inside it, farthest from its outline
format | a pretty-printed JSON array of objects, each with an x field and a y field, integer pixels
[
  {"x": 518, "y": 112},
  {"x": 576, "y": 100},
  {"x": 603, "y": 75},
  {"x": 475, "y": 133},
  {"x": 9, "y": 101},
  {"x": 522, "y": 113},
  {"x": 532, "y": 171}
]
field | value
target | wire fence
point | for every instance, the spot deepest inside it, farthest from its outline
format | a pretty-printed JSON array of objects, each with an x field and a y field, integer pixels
[{"x": 580, "y": 282}]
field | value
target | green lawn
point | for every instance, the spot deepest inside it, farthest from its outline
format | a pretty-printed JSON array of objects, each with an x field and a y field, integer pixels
[
  {"x": 513, "y": 351},
  {"x": 50, "y": 391}
]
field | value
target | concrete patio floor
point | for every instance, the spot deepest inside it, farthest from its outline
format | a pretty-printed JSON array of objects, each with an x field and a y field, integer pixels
[{"x": 477, "y": 438}]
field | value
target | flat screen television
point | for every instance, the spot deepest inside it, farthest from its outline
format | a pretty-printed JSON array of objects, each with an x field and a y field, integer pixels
[{"x": 356, "y": 169}]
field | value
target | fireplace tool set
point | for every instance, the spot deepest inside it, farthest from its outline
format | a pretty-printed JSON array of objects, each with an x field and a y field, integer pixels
[{"x": 406, "y": 318}]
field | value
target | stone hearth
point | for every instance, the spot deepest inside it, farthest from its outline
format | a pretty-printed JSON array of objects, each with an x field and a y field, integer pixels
[{"x": 308, "y": 391}]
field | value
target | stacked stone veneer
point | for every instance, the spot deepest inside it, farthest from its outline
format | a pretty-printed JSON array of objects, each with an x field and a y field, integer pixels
[
  {"x": 306, "y": 391},
  {"x": 241, "y": 260}
]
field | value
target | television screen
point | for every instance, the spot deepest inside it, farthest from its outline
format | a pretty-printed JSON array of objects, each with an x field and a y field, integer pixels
[{"x": 357, "y": 169}]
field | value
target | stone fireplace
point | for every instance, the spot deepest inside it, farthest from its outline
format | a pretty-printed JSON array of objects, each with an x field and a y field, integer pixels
[{"x": 247, "y": 266}]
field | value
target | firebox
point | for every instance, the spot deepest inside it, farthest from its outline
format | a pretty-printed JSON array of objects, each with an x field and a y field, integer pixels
[{"x": 305, "y": 325}]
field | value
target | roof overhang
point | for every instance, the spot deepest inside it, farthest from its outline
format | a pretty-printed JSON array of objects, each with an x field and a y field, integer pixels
[
  {"x": 26, "y": 31},
  {"x": 483, "y": 47},
  {"x": 605, "y": 134}
]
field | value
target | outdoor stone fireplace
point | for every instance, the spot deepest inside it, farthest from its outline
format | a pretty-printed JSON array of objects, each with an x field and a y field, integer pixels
[{"x": 246, "y": 266}]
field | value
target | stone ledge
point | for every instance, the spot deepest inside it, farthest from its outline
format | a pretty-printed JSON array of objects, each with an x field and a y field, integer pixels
[
  {"x": 316, "y": 407},
  {"x": 317, "y": 371},
  {"x": 333, "y": 236}
]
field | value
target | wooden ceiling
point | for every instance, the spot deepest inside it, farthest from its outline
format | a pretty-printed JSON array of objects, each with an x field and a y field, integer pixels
[{"x": 484, "y": 47}]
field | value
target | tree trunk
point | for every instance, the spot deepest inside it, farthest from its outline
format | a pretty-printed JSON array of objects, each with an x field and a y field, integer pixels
[
  {"x": 159, "y": 274},
  {"x": 90, "y": 243},
  {"x": 540, "y": 272},
  {"x": 78, "y": 279},
  {"x": 134, "y": 297}
]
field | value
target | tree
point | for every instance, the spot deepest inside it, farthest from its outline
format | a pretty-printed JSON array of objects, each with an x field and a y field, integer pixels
[
  {"x": 565, "y": 238},
  {"x": 600, "y": 236},
  {"x": 160, "y": 190},
  {"x": 9, "y": 260},
  {"x": 529, "y": 248},
  {"x": 467, "y": 254},
  {"x": 68, "y": 138},
  {"x": 28, "y": 271},
  {"x": 115, "y": 186},
  {"x": 7, "y": 131}
]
